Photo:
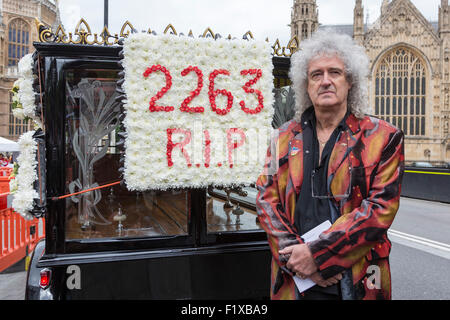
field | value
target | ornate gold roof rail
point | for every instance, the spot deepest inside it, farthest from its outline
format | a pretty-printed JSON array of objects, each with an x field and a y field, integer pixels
[{"x": 84, "y": 35}]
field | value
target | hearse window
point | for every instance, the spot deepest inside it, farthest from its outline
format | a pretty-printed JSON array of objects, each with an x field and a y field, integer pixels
[
  {"x": 92, "y": 155},
  {"x": 231, "y": 210}
]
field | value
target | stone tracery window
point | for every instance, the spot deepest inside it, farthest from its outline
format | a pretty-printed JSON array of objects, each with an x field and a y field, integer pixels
[
  {"x": 304, "y": 30},
  {"x": 18, "y": 46},
  {"x": 18, "y": 41},
  {"x": 16, "y": 126},
  {"x": 400, "y": 91}
]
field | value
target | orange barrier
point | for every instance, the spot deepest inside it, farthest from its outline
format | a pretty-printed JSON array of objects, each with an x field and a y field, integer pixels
[
  {"x": 5, "y": 171},
  {"x": 18, "y": 236}
]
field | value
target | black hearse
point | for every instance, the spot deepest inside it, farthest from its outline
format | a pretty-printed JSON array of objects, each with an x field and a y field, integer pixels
[{"x": 177, "y": 244}]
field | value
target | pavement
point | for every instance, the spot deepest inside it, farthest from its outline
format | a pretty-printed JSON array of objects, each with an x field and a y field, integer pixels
[{"x": 13, "y": 281}]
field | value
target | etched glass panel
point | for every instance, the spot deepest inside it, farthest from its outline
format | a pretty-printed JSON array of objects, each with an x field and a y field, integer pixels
[{"x": 92, "y": 135}]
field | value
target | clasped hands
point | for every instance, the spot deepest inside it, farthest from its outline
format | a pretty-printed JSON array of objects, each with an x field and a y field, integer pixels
[{"x": 302, "y": 264}]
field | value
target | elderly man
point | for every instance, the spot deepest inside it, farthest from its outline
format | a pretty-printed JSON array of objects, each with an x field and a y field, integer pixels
[{"x": 331, "y": 162}]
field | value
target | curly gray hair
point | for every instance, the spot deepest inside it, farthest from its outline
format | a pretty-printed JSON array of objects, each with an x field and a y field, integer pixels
[{"x": 356, "y": 62}]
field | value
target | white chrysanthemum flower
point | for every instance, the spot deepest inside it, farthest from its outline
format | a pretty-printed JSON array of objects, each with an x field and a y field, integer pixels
[
  {"x": 25, "y": 66},
  {"x": 18, "y": 113},
  {"x": 26, "y": 176},
  {"x": 26, "y": 94}
]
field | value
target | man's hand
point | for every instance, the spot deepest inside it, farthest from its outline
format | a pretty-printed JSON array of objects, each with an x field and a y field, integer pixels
[
  {"x": 317, "y": 278},
  {"x": 301, "y": 261}
]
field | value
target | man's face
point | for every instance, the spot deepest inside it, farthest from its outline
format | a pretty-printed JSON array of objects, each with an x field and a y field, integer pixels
[{"x": 327, "y": 84}]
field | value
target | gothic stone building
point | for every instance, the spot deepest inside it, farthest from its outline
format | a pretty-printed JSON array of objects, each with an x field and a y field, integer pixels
[
  {"x": 17, "y": 33},
  {"x": 410, "y": 67}
]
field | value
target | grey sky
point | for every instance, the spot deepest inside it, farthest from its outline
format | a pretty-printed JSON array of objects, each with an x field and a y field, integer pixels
[{"x": 265, "y": 18}]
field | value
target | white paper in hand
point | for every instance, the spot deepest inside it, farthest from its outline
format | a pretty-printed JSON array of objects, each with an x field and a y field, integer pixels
[{"x": 311, "y": 235}]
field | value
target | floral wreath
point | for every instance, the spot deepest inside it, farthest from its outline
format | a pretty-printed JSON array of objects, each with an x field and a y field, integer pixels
[
  {"x": 25, "y": 170},
  {"x": 198, "y": 111},
  {"x": 23, "y": 100},
  {"x": 23, "y": 185}
]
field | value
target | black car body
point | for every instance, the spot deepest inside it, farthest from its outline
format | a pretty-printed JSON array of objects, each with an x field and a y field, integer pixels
[{"x": 177, "y": 244}]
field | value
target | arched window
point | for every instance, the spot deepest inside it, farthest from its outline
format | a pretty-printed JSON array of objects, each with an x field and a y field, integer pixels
[
  {"x": 400, "y": 91},
  {"x": 18, "y": 41},
  {"x": 17, "y": 126},
  {"x": 18, "y": 46},
  {"x": 304, "y": 30}
]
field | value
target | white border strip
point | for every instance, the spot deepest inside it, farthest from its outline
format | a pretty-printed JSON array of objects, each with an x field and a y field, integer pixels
[{"x": 423, "y": 244}]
